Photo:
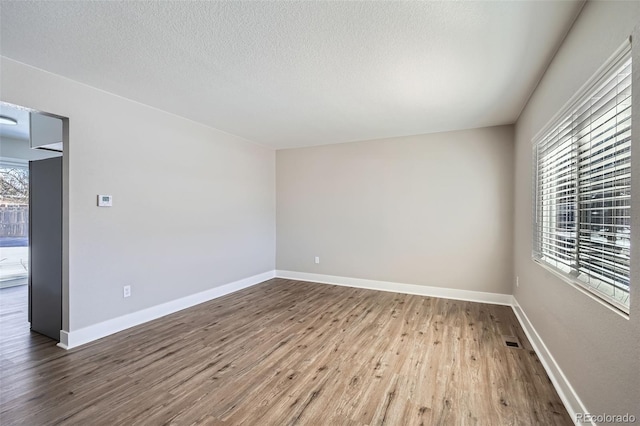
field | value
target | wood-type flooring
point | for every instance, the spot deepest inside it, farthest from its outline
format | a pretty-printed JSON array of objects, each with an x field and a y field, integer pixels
[{"x": 284, "y": 352}]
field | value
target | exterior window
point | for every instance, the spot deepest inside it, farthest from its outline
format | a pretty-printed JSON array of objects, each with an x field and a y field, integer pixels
[
  {"x": 14, "y": 223},
  {"x": 582, "y": 186}
]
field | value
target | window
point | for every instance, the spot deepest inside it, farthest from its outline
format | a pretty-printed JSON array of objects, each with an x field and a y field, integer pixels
[
  {"x": 14, "y": 222},
  {"x": 582, "y": 186}
]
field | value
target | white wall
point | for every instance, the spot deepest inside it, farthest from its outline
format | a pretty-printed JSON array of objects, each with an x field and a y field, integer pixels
[
  {"x": 194, "y": 208},
  {"x": 597, "y": 349},
  {"x": 430, "y": 210}
]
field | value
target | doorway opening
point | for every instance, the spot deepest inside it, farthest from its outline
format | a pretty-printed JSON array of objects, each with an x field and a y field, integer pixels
[{"x": 23, "y": 140}]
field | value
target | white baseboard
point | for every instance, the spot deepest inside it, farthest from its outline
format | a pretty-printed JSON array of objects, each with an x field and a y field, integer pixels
[
  {"x": 64, "y": 340},
  {"x": 75, "y": 338},
  {"x": 567, "y": 394},
  {"x": 420, "y": 290}
]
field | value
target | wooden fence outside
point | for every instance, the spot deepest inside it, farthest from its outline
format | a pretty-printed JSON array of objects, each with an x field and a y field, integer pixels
[{"x": 14, "y": 220}]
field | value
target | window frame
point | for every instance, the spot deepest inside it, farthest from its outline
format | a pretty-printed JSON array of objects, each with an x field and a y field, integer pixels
[{"x": 585, "y": 93}]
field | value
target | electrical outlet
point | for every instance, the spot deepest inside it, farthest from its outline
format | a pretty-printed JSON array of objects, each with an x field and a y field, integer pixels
[
  {"x": 517, "y": 281},
  {"x": 317, "y": 259},
  {"x": 126, "y": 291}
]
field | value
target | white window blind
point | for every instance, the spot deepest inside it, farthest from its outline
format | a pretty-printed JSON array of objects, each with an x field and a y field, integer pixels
[{"x": 582, "y": 186}]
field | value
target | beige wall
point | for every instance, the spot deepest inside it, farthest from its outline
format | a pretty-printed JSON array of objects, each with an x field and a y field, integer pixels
[
  {"x": 193, "y": 207},
  {"x": 431, "y": 210},
  {"x": 597, "y": 349}
]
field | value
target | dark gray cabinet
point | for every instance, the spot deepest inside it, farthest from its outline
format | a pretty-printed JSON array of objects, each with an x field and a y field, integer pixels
[{"x": 45, "y": 246}]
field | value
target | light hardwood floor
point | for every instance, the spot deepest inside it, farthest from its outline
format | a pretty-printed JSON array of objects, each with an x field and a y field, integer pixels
[{"x": 288, "y": 352}]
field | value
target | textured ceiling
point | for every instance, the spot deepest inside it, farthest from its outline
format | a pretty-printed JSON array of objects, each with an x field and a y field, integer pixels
[{"x": 288, "y": 74}]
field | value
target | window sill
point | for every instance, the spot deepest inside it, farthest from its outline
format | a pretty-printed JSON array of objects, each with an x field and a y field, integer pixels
[{"x": 583, "y": 289}]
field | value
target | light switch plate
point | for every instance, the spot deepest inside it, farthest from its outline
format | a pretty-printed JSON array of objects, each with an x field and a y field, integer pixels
[{"x": 105, "y": 200}]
